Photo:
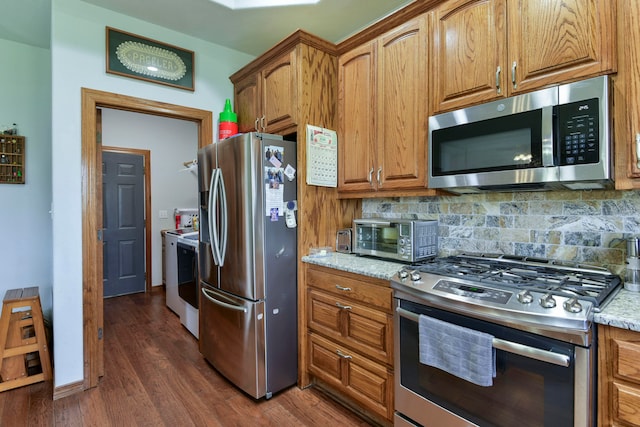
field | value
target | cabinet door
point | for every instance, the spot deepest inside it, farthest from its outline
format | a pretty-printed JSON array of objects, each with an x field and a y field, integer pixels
[
  {"x": 367, "y": 382},
  {"x": 246, "y": 103},
  {"x": 278, "y": 93},
  {"x": 469, "y": 53},
  {"x": 356, "y": 123},
  {"x": 401, "y": 107},
  {"x": 619, "y": 377},
  {"x": 560, "y": 40},
  {"x": 627, "y": 93}
]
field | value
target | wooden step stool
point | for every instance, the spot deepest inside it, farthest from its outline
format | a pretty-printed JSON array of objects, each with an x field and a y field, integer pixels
[{"x": 24, "y": 354}]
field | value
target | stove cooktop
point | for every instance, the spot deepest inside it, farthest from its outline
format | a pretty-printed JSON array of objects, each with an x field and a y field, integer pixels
[{"x": 525, "y": 290}]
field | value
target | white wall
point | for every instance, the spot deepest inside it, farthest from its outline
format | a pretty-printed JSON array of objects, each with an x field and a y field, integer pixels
[
  {"x": 25, "y": 239},
  {"x": 78, "y": 60},
  {"x": 171, "y": 142}
]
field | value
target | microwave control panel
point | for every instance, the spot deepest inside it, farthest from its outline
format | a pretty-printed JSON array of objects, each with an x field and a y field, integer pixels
[{"x": 578, "y": 133}]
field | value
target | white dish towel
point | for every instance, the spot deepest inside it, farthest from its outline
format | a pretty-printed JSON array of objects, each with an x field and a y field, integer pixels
[{"x": 462, "y": 352}]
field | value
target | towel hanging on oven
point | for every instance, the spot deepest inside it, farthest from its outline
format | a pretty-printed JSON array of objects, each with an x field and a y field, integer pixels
[{"x": 460, "y": 351}]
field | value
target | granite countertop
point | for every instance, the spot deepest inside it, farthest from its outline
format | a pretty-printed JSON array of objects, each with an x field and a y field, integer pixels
[
  {"x": 623, "y": 311},
  {"x": 366, "y": 266}
]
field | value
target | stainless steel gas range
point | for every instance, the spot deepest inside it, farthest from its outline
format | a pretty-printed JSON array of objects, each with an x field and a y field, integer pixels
[{"x": 538, "y": 315}]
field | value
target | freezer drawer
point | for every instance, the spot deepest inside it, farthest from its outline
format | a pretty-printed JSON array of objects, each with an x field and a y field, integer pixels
[{"x": 232, "y": 338}]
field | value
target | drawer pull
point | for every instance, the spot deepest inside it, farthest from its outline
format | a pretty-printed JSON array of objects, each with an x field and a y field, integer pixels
[
  {"x": 344, "y": 356},
  {"x": 342, "y": 288},
  {"x": 344, "y": 307}
]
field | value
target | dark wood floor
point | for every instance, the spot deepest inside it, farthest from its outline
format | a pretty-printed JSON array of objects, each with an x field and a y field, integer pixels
[{"x": 154, "y": 376}]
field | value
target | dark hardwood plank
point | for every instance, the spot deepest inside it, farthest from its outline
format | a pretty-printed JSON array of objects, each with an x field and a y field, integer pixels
[{"x": 155, "y": 375}]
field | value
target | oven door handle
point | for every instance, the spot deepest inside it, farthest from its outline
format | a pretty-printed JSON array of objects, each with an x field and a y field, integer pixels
[{"x": 508, "y": 346}]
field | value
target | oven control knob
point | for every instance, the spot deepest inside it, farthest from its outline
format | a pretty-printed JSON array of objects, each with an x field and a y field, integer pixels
[
  {"x": 403, "y": 274},
  {"x": 572, "y": 305},
  {"x": 547, "y": 301},
  {"x": 525, "y": 297},
  {"x": 415, "y": 275}
]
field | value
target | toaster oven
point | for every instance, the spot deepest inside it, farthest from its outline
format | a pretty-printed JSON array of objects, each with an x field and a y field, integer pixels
[{"x": 396, "y": 239}]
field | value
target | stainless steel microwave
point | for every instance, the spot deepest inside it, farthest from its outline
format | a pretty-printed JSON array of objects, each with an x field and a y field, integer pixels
[
  {"x": 397, "y": 239},
  {"x": 554, "y": 138}
]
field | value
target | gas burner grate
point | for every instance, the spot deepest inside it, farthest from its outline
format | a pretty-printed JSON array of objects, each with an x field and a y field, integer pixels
[{"x": 590, "y": 283}]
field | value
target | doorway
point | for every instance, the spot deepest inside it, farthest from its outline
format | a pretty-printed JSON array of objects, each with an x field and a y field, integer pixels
[{"x": 91, "y": 159}]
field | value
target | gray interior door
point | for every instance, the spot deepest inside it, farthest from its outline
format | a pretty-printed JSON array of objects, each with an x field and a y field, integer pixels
[{"x": 123, "y": 222}]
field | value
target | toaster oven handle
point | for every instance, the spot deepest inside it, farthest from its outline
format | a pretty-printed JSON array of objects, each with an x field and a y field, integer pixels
[
  {"x": 508, "y": 346},
  {"x": 374, "y": 222}
]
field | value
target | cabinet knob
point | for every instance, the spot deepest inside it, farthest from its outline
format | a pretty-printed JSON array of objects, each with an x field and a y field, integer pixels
[
  {"x": 498, "y": 88},
  {"x": 513, "y": 74},
  {"x": 371, "y": 177},
  {"x": 378, "y": 176}
]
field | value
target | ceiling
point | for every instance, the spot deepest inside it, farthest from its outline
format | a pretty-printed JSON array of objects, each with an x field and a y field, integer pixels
[{"x": 252, "y": 31}]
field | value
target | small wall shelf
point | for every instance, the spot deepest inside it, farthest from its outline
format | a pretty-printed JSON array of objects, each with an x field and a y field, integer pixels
[{"x": 12, "y": 159}]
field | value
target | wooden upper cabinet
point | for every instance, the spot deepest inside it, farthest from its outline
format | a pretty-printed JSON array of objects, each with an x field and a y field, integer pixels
[
  {"x": 487, "y": 49},
  {"x": 560, "y": 40},
  {"x": 246, "y": 103},
  {"x": 402, "y": 100},
  {"x": 626, "y": 94},
  {"x": 356, "y": 121},
  {"x": 266, "y": 100},
  {"x": 382, "y": 102},
  {"x": 278, "y": 93},
  {"x": 469, "y": 53}
]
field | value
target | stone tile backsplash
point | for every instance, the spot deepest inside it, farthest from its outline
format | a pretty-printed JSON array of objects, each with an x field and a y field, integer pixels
[{"x": 579, "y": 226}]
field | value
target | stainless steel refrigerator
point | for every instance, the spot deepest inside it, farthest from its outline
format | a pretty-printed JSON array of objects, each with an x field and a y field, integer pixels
[{"x": 248, "y": 261}]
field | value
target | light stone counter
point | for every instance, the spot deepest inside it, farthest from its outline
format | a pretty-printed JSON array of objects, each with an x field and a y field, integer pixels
[
  {"x": 623, "y": 311},
  {"x": 366, "y": 266}
]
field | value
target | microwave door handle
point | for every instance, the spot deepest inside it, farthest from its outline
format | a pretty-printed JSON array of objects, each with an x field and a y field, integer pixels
[
  {"x": 508, "y": 346},
  {"x": 548, "y": 137}
]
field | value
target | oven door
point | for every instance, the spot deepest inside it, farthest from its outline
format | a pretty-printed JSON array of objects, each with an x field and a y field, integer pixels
[
  {"x": 539, "y": 381},
  {"x": 188, "y": 273}
]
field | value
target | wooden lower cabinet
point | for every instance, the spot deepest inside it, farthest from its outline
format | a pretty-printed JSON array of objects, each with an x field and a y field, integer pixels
[
  {"x": 367, "y": 382},
  {"x": 619, "y": 382},
  {"x": 349, "y": 340}
]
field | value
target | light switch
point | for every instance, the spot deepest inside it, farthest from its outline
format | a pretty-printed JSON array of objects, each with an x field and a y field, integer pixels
[{"x": 163, "y": 214}]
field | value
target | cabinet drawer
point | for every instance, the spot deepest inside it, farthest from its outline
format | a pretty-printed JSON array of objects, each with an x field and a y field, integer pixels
[
  {"x": 354, "y": 325},
  {"x": 367, "y": 382},
  {"x": 627, "y": 355},
  {"x": 626, "y": 403},
  {"x": 376, "y": 292}
]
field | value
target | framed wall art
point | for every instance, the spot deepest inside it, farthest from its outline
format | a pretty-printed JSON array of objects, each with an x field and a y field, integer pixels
[{"x": 141, "y": 58}]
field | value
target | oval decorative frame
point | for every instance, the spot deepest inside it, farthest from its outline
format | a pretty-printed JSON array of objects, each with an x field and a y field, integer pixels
[{"x": 139, "y": 57}]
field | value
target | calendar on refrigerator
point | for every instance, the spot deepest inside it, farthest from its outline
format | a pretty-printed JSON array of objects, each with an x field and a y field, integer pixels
[{"x": 322, "y": 157}]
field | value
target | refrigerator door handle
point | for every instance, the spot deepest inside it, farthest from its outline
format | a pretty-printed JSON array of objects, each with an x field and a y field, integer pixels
[
  {"x": 211, "y": 298},
  {"x": 213, "y": 216},
  {"x": 222, "y": 250}
]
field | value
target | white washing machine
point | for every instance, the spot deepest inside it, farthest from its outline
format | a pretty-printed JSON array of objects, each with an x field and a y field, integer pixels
[{"x": 173, "y": 300}]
